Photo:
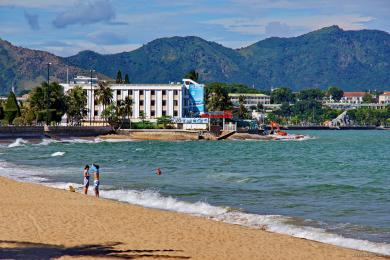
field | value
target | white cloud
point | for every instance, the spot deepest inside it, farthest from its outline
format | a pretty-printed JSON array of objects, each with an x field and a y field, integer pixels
[
  {"x": 37, "y": 3},
  {"x": 308, "y": 23},
  {"x": 86, "y": 12}
]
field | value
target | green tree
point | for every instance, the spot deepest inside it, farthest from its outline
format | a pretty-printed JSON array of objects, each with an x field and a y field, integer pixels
[
  {"x": 217, "y": 98},
  {"x": 11, "y": 108},
  {"x": 128, "y": 108},
  {"x": 48, "y": 102},
  {"x": 368, "y": 98},
  {"x": 311, "y": 94},
  {"x": 142, "y": 116},
  {"x": 118, "y": 77},
  {"x": 235, "y": 88},
  {"x": 259, "y": 107},
  {"x": 111, "y": 114},
  {"x": 242, "y": 110},
  {"x": 104, "y": 94},
  {"x": 335, "y": 93},
  {"x": 164, "y": 120},
  {"x": 192, "y": 74},
  {"x": 284, "y": 110},
  {"x": 76, "y": 100},
  {"x": 127, "y": 81},
  {"x": 308, "y": 110},
  {"x": 281, "y": 95}
]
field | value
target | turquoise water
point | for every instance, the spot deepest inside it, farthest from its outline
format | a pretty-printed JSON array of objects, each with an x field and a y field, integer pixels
[{"x": 331, "y": 187}]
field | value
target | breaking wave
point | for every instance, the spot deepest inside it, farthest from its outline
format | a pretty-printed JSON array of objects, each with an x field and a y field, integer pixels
[
  {"x": 57, "y": 154},
  {"x": 18, "y": 142}
]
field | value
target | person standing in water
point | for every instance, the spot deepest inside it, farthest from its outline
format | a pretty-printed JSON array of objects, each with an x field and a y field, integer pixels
[
  {"x": 86, "y": 179},
  {"x": 96, "y": 178}
]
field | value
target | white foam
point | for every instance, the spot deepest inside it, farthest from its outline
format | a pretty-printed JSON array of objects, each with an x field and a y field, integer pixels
[
  {"x": 117, "y": 140},
  {"x": 273, "y": 223},
  {"x": 153, "y": 199},
  {"x": 18, "y": 142},
  {"x": 47, "y": 141},
  {"x": 294, "y": 137},
  {"x": 57, "y": 154},
  {"x": 20, "y": 174}
]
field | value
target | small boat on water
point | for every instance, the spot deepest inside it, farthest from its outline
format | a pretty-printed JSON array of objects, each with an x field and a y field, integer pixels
[{"x": 277, "y": 134}]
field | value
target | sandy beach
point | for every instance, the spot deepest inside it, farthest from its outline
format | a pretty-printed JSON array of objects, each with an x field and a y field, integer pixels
[{"x": 38, "y": 222}]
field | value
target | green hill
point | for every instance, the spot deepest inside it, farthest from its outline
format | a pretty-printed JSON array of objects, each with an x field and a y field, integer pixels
[
  {"x": 24, "y": 68},
  {"x": 352, "y": 60}
]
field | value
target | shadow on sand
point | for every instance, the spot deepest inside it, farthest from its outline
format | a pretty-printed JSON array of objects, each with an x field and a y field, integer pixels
[{"x": 35, "y": 251}]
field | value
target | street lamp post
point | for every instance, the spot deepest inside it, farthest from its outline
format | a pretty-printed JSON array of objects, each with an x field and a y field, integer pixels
[
  {"x": 47, "y": 93},
  {"x": 90, "y": 101}
]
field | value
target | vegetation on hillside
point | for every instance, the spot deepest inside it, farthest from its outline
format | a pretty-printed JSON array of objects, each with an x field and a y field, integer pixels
[{"x": 352, "y": 60}]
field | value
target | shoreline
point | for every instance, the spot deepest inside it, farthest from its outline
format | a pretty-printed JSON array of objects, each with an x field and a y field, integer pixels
[{"x": 68, "y": 220}]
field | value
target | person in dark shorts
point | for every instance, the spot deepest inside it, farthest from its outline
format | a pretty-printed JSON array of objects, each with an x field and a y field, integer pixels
[{"x": 86, "y": 178}]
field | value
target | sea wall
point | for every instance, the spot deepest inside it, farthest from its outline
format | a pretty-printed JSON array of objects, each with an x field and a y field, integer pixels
[
  {"x": 78, "y": 131},
  {"x": 36, "y": 132},
  {"x": 10, "y": 132},
  {"x": 159, "y": 134}
]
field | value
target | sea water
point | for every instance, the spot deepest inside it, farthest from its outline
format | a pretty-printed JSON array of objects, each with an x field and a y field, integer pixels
[{"x": 333, "y": 187}]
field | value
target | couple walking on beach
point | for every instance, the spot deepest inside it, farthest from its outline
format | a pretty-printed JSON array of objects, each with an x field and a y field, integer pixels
[{"x": 96, "y": 177}]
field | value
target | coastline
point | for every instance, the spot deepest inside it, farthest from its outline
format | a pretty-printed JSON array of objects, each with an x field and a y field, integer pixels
[{"x": 62, "y": 223}]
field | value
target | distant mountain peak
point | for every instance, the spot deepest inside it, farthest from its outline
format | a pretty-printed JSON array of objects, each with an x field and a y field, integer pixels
[{"x": 326, "y": 57}]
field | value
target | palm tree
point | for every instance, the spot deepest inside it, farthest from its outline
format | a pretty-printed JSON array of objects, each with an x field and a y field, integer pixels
[
  {"x": 218, "y": 99},
  {"x": 128, "y": 108},
  {"x": 104, "y": 94},
  {"x": 192, "y": 74}
]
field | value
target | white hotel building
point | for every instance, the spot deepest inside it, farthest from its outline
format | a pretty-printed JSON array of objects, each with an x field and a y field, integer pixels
[{"x": 153, "y": 100}]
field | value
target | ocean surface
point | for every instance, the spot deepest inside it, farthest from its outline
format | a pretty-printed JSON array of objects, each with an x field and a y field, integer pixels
[{"x": 333, "y": 186}]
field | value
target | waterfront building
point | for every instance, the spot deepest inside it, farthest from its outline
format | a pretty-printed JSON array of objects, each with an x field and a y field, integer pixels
[
  {"x": 384, "y": 98},
  {"x": 348, "y": 106},
  {"x": 353, "y": 97},
  {"x": 250, "y": 99},
  {"x": 150, "y": 101}
]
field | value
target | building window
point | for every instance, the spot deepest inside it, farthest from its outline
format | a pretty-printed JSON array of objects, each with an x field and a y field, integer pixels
[
  {"x": 152, "y": 92},
  {"x": 141, "y": 102},
  {"x": 175, "y": 102},
  {"x": 130, "y": 92},
  {"x": 141, "y": 92},
  {"x": 175, "y": 113},
  {"x": 164, "y": 102},
  {"x": 118, "y": 102},
  {"x": 175, "y": 92},
  {"x": 152, "y": 113},
  {"x": 152, "y": 102},
  {"x": 96, "y": 113},
  {"x": 118, "y": 92},
  {"x": 164, "y": 112},
  {"x": 164, "y": 92}
]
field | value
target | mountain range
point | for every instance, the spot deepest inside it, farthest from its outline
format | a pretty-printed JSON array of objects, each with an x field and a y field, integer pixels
[{"x": 352, "y": 60}]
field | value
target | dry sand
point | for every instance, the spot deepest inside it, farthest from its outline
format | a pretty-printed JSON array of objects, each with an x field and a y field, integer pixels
[{"x": 38, "y": 222}]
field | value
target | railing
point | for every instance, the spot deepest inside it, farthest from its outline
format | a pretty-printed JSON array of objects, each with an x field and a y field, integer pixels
[{"x": 230, "y": 127}]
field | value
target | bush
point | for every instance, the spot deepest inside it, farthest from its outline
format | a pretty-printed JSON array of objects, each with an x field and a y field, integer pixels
[
  {"x": 11, "y": 108},
  {"x": 18, "y": 121},
  {"x": 4, "y": 122},
  {"x": 29, "y": 117},
  {"x": 143, "y": 125},
  {"x": 42, "y": 116}
]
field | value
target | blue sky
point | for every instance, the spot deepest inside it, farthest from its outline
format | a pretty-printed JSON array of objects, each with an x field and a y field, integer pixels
[{"x": 109, "y": 26}]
